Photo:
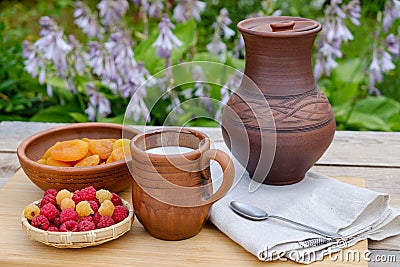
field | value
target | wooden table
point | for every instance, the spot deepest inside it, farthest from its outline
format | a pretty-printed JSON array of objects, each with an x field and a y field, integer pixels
[{"x": 373, "y": 156}]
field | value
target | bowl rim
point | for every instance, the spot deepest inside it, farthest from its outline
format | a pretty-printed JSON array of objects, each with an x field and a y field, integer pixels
[{"x": 71, "y": 170}]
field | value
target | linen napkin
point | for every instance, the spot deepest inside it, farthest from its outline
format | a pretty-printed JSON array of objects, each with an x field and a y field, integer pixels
[{"x": 319, "y": 201}]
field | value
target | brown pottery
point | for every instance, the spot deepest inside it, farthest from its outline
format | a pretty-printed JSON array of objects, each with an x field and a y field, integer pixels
[
  {"x": 278, "y": 61},
  {"x": 113, "y": 176},
  {"x": 172, "y": 193}
]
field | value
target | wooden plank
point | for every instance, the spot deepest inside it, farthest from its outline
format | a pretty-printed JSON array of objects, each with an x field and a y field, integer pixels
[
  {"x": 9, "y": 164},
  {"x": 348, "y": 148},
  {"x": 136, "y": 248},
  {"x": 363, "y": 149},
  {"x": 13, "y": 133}
]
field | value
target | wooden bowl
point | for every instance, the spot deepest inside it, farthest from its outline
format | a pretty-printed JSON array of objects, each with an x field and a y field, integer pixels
[
  {"x": 113, "y": 176},
  {"x": 79, "y": 239}
]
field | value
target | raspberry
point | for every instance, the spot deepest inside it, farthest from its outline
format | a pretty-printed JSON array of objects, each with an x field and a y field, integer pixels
[
  {"x": 76, "y": 197},
  {"x": 116, "y": 200},
  {"x": 50, "y": 211},
  {"x": 88, "y": 193},
  {"x": 86, "y": 226},
  {"x": 69, "y": 226},
  {"x": 57, "y": 222},
  {"x": 68, "y": 214},
  {"x": 50, "y": 192},
  {"x": 94, "y": 205},
  {"x": 31, "y": 211},
  {"x": 40, "y": 222},
  {"x": 53, "y": 229},
  {"x": 86, "y": 218},
  {"x": 67, "y": 203},
  {"x": 83, "y": 209},
  {"x": 120, "y": 213},
  {"x": 96, "y": 218},
  {"x": 48, "y": 199},
  {"x": 106, "y": 208},
  {"x": 63, "y": 194},
  {"x": 103, "y": 194},
  {"x": 105, "y": 221}
]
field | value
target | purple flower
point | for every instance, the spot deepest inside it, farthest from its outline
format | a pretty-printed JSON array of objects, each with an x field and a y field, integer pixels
[
  {"x": 166, "y": 40},
  {"x": 47, "y": 25},
  {"x": 79, "y": 56},
  {"x": 231, "y": 85},
  {"x": 137, "y": 107},
  {"x": 187, "y": 9},
  {"x": 111, "y": 11},
  {"x": 221, "y": 29},
  {"x": 386, "y": 61},
  {"x": 222, "y": 24},
  {"x": 96, "y": 58},
  {"x": 136, "y": 77},
  {"x": 393, "y": 44},
  {"x": 52, "y": 47},
  {"x": 334, "y": 33},
  {"x": 217, "y": 46},
  {"x": 392, "y": 12},
  {"x": 87, "y": 20},
  {"x": 120, "y": 47},
  {"x": 354, "y": 12},
  {"x": 99, "y": 105},
  {"x": 32, "y": 61},
  {"x": 153, "y": 8},
  {"x": 202, "y": 88},
  {"x": 240, "y": 46}
]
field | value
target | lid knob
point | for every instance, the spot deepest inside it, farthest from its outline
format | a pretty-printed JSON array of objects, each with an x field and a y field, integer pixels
[{"x": 281, "y": 26}]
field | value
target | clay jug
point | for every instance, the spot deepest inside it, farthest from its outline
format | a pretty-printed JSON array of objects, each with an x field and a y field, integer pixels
[{"x": 278, "y": 61}]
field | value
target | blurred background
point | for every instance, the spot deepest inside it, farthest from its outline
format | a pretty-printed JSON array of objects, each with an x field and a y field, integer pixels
[{"x": 77, "y": 61}]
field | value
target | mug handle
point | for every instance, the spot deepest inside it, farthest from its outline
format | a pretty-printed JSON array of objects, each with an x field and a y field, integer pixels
[{"x": 227, "y": 167}]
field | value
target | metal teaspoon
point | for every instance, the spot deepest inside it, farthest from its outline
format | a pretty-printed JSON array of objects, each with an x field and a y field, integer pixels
[{"x": 256, "y": 214}]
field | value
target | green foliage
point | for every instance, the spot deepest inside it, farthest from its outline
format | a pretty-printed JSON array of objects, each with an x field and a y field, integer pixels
[
  {"x": 20, "y": 95},
  {"x": 23, "y": 98}
]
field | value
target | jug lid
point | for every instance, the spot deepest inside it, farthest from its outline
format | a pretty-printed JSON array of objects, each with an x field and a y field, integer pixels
[{"x": 279, "y": 26}]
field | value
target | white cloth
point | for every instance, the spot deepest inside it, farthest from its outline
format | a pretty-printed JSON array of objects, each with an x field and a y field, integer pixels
[{"x": 319, "y": 201}]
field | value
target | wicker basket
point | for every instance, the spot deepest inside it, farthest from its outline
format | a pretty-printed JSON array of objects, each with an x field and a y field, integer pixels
[{"x": 79, "y": 239}]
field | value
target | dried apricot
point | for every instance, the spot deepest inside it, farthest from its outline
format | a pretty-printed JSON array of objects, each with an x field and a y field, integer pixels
[
  {"x": 53, "y": 162},
  {"x": 101, "y": 147},
  {"x": 118, "y": 154},
  {"x": 92, "y": 160},
  {"x": 120, "y": 143},
  {"x": 42, "y": 161},
  {"x": 48, "y": 151},
  {"x": 71, "y": 150}
]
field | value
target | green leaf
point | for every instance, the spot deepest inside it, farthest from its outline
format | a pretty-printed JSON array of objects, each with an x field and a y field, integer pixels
[
  {"x": 342, "y": 112},
  {"x": 381, "y": 107},
  {"x": 187, "y": 34},
  {"x": 205, "y": 56},
  {"x": 4, "y": 85},
  {"x": 117, "y": 119},
  {"x": 367, "y": 122},
  {"x": 56, "y": 114},
  {"x": 78, "y": 117},
  {"x": 349, "y": 71},
  {"x": 235, "y": 63},
  {"x": 394, "y": 122}
]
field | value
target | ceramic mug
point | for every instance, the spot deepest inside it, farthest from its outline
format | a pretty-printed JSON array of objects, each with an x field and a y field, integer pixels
[{"x": 172, "y": 193}]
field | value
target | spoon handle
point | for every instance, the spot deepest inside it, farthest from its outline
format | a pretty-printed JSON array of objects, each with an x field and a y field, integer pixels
[{"x": 309, "y": 228}]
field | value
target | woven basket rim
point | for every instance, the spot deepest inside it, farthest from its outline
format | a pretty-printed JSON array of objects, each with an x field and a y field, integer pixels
[{"x": 43, "y": 236}]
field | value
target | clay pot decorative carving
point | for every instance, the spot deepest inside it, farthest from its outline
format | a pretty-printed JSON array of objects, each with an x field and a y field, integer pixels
[{"x": 278, "y": 61}]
